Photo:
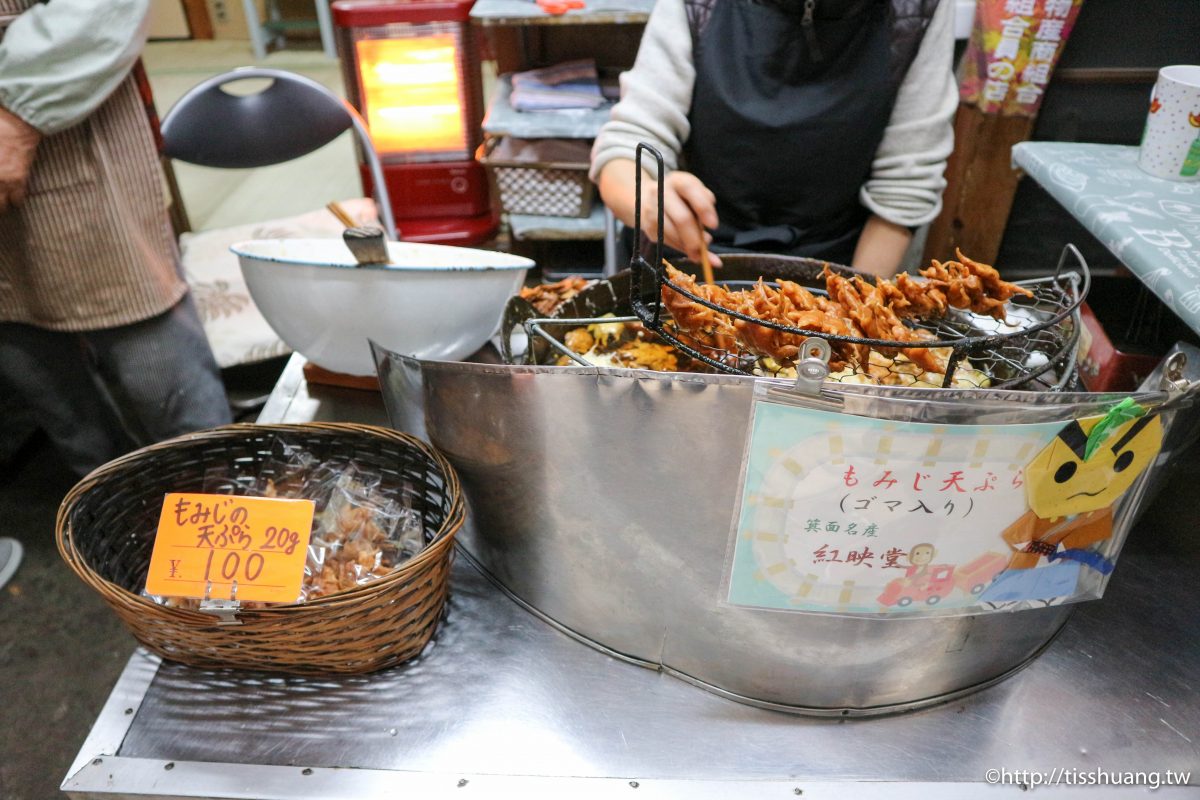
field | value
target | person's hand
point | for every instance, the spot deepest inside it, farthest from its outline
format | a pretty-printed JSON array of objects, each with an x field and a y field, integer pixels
[
  {"x": 18, "y": 144},
  {"x": 688, "y": 208}
]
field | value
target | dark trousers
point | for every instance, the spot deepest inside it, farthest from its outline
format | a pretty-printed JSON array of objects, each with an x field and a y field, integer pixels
[{"x": 99, "y": 394}]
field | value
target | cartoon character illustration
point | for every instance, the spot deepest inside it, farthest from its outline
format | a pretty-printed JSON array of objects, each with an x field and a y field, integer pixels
[
  {"x": 1060, "y": 579},
  {"x": 920, "y": 557},
  {"x": 1073, "y": 482},
  {"x": 931, "y": 583}
]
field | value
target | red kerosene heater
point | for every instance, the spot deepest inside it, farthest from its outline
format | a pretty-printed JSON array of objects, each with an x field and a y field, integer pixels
[{"x": 411, "y": 69}]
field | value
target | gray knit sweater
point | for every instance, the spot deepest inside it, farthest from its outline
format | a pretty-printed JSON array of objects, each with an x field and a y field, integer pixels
[{"x": 906, "y": 180}]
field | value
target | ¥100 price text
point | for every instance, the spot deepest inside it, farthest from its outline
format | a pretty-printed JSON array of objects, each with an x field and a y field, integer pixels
[{"x": 217, "y": 545}]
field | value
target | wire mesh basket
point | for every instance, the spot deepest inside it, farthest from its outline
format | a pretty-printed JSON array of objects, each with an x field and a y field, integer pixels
[
  {"x": 607, "y": 304},
  {"x": 1033, "y": 347},
  {"x": 1028, "y": 341},
  {"x": 1030, "y": 345}
]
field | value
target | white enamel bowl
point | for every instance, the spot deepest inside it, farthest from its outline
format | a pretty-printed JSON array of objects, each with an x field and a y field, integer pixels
[{"x": 431, "y": 301}]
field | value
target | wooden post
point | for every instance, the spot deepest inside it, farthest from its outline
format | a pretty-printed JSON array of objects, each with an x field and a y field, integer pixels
[
  {"x": 980, "y": 185},
  {"x": 1014, "y": 47}
]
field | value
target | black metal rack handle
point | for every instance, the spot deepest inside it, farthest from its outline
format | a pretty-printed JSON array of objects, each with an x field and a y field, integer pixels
[{"x": 637, "y": 263}]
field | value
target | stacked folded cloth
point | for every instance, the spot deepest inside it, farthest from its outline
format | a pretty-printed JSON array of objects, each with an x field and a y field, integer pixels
[{"x": 573, "y": 84}]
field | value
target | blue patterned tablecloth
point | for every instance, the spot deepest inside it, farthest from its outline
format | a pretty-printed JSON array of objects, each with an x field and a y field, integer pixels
[{"x": 1151, "y": 225}]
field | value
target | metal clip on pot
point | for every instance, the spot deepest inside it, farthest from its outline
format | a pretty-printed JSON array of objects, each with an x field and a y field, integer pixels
[
  {"x": 1181, "y": 390},
  {"x": 367, "y": 244},
  {"x": 1174, "y": 383},
  {"x": 813, "y": 368}
]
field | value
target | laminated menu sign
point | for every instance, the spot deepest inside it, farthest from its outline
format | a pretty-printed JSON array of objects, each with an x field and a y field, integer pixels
[
  {"x": 856, "y": 515},
  {"x": 224, "y": 547}
]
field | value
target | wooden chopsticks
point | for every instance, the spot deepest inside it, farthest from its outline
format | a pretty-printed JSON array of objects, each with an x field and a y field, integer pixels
[
  {"x": 336, "y": 209},
  {"x": 706, "y": 265}
]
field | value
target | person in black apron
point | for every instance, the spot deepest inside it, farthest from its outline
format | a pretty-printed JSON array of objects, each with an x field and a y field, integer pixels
[{"x": 785, "y": 130}]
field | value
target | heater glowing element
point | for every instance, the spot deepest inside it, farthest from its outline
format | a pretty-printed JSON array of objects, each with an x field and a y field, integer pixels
[
  {"x": 411, "y": 68},
  {"x": 411, "y": 94}
]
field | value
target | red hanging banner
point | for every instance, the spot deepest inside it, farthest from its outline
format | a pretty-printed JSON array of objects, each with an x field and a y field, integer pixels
[{"x": 1012, "y": 52}]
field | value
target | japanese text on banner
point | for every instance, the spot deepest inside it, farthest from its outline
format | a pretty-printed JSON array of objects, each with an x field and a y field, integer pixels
[
  {"x": 223, "y": 547},
  {"x": 1014, "y": 47},
  {"x": 855, "y": 515}
]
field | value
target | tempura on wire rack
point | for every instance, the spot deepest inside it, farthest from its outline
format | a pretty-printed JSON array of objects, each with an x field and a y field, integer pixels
[{"x": 853, "y": 308}]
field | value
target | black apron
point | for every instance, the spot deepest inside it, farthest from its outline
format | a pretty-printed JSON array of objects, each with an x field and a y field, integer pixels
[{"x": 786, "y": 116}]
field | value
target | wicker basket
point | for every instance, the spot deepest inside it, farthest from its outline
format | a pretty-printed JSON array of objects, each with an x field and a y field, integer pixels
[
  {"x": 548, "y": 186},
  {"x": 107, "y": 523}
]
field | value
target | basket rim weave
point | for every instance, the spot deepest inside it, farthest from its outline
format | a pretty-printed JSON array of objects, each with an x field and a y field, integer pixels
[{"x": 118, "y": 595}]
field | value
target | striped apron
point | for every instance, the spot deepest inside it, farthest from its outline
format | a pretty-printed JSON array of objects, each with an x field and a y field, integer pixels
[{"x": 91, "y": 247}]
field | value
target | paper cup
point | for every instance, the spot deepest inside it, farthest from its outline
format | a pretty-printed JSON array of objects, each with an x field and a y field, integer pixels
[{"x": 1171, "y": 143}]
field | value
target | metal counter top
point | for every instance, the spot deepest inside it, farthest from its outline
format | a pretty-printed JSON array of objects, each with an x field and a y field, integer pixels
[{"x": 503, "y": 704}]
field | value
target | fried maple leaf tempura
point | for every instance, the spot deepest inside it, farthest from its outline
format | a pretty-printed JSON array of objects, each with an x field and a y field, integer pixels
[
  {"x": 547, "y": 297},
  {"x": 865, "y": 304},
  {"x": 796, "y": 307},
  {"x": 971, "y": 285},
  {"x": 792, "y": 305},
  {"x": 704, "y": 326},
  {"x": 853, "y": 308}
]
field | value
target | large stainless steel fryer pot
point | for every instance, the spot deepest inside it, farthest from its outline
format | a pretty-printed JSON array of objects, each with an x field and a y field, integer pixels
[{"x": 602, "y": 499}]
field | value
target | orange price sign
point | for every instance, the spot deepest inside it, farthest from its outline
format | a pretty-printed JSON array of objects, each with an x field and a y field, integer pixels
[{"x": 222, "y": 547}]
